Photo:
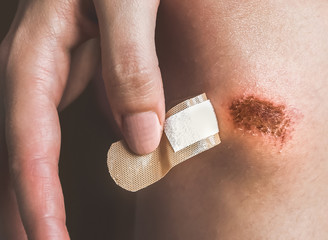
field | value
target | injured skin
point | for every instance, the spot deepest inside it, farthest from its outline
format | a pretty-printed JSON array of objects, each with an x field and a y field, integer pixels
[{"x": 258, "y": 116}]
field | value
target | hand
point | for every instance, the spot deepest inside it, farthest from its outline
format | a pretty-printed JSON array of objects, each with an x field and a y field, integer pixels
[{"x": 46, "y": 61}]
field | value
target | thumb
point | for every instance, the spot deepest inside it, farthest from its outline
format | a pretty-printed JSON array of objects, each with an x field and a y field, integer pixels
[{"x": 130, "y": 70}]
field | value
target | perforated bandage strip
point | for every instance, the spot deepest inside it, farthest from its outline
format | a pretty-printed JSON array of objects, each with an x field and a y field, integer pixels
[{"x": 190, "y": 128}]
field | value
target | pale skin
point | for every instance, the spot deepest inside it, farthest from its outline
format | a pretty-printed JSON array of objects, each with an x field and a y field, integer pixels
[{"x": 249, "y": 187}]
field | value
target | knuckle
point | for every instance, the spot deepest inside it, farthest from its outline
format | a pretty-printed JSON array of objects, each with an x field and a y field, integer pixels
[
  {"x": 36, "y": 166},
  {"x": 133, "y": 81}
]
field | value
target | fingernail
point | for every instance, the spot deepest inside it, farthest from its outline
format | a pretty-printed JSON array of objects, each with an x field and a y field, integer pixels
[{"x": 142, "y": 132}]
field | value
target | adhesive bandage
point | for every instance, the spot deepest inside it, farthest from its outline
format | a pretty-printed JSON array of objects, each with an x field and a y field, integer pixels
[{"x": 190, "y": 128}]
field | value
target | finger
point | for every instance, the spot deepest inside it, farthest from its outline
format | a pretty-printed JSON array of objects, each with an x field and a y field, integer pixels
[
  {"x": 33, "y": 136},
  {"x": 34, "y": 84},
  {"x": 130, "y": 69},
  {"x": 11, "y": 226},
  {"x": 84, "y": 65}
]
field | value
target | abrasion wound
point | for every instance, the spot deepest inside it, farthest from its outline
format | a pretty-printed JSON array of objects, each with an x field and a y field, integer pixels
[{"x": 256, "y": 115}]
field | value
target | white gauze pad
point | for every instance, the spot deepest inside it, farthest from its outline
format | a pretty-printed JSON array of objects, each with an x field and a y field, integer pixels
[{"x": 190, "y": 128}]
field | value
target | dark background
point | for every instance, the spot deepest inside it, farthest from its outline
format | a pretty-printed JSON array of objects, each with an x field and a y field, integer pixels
[
  {"x": 96, "y": 208},
  {"x": 7, "y": 11}
]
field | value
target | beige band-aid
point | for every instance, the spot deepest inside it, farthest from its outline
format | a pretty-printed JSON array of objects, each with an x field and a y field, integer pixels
[{"x": 190, "y": 128}]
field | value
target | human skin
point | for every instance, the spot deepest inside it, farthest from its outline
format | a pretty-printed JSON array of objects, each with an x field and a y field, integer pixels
[
  {"x": 46, "y": 60},
  {"x": 249, "y": 187},
  {"x": 253, "y": 185}
]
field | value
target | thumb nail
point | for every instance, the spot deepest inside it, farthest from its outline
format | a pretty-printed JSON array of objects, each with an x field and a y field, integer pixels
[{"x": 142, "y": 132}]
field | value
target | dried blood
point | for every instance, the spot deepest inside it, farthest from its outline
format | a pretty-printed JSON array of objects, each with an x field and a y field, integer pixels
[{"x": 256, "y": 115}]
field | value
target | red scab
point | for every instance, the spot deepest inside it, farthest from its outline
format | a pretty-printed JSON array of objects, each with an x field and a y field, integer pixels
[{"x": 256, "y": 115}]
